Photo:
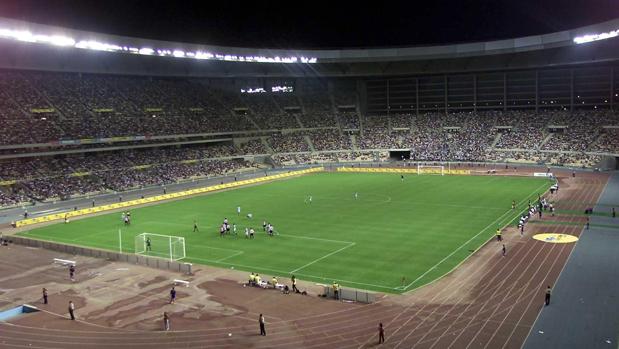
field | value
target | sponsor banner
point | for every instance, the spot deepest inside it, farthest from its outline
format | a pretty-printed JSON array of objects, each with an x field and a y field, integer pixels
[
  {"x": 9, "y": 182},
  {"x": 555, "y": 238},
  {"x": 90, "y": 210},
  {"x": 403, "y": 170},
  {"x": 543, "y": 174}
]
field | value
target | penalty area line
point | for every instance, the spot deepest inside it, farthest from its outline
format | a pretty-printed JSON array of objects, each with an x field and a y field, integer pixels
[{"x": 323, "y": 257}]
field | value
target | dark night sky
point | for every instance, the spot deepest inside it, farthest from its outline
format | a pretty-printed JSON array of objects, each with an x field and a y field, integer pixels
[{"x": 314, "y": 24}]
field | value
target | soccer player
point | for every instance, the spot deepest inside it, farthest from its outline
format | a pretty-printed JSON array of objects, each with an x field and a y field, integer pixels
[
  {"x": 270, "y": 229},
  {"x": 250, "y": 216},
  {"x": 356, "y": 195},
  {"x": 238, "y": 210},
  {"x": 148, "y": 247},
  {"x": 234, "y": 228},
  {"x": 513, "y": 204},
  {"x": 251, "y": 233},
  {"x": 195, "y": 227},
  {"x": 310, "y": 199},
  {"x": 66, "y": 218},
  {"x": 246, "y": 233},
  {"x": 222, "y": 230},
  {"x": 264, "y": 225},
  {"x": 402, "y": 178},
  {"x": 226, "y": 221}
]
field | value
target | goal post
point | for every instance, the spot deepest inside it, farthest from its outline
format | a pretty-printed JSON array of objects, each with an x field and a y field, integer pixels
[
  {"x": 162, "y": 246},
  {"x": 430, "y": 169}
]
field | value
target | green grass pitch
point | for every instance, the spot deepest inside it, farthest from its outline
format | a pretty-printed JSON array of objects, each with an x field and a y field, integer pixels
[{"x": 417, "y": 229}]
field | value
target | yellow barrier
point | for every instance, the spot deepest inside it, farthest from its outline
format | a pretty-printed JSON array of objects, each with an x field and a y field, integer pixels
[
  {"x": 402, "y": 170},
  {"x": 156, "y": 198}
]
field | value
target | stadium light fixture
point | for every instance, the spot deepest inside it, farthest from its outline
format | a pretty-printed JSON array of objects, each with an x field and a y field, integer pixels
[
  {"x": 97, "y": 45},
  {"x": 583, "y": 39}
]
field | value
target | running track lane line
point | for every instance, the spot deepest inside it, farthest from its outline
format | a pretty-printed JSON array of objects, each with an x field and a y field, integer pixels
[
  {"x": 540, "y": 312},
  {"x": 558, "y": 255}
]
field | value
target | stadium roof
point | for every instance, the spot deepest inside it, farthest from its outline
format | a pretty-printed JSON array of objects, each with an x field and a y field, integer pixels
[{"x": 31, "y": 37}]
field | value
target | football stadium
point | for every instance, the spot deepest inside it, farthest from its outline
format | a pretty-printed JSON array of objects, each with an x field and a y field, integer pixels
[{"x": 158, "y": 193}]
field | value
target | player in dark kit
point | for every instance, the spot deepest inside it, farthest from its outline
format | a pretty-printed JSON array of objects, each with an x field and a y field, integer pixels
[
  {"x": 172, "y": 295},
  {"x": 148, "y": 247},
  {"x": 195, "y": 227}
]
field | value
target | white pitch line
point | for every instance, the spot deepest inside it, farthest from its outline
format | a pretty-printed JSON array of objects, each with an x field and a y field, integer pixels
[
  {"x": 230, "y": 256},
  {"x": 318, "y": 239},
  {"x": 323, "y": 257},
  {"x": 501, "y": 217}
]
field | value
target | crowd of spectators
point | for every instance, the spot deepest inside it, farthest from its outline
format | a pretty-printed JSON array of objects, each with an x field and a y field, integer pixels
[
  {"x": 292, "y": 142},
  {"x": 253, "y": 146},
  {"x": 65, "y": 176},
  {"x": 47, "y": 107},
  {"x": 330, "y": 140},
  {"x": 348, "y": 120}
]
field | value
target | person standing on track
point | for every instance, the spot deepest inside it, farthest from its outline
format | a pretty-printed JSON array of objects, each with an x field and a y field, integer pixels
[
  {"x": 504, "y": 250},
  {"x": 71, "y": 310},
  {"x": 498, "y": 235},
  {"x": 294, "y": 284},
  {"x": 172, "y": 295},
  {"x": 72, "y": 272},
  {"x": 166, "y": 321},
  {"x": 381, "y": 333},
  {"x": 44, "y": 295},
  {"x": 548, "y": 292},
  {"x": 263, "y": 331}
]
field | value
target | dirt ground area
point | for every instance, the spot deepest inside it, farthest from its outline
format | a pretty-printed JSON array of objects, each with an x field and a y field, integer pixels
[{"x": 489, "y": 301}]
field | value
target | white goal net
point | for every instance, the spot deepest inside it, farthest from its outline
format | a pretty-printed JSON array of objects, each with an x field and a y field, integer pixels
[
  {"x": 163, "y": 246},
  {"x": 429, "y": 169}
]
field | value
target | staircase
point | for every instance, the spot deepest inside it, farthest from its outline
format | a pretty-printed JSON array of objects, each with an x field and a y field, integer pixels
[
  {"x": 296, "y": 116},
  {"x": 267, "y": 145},
  {"x": 353, "y": 142},
  {"x": 309, "y": 142},
  {"x": 546, "y": 139},
  {"x": 496, "y": 140}
]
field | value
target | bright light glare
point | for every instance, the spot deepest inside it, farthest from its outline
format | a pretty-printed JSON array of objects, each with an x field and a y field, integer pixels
[
  {"x": 95, "y": 45},
  {"x": 595, "y": 37}
]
